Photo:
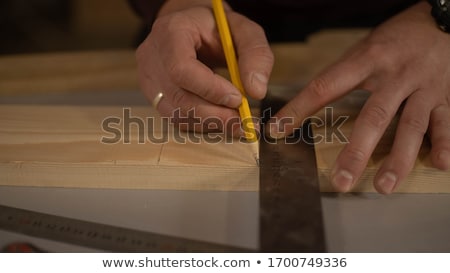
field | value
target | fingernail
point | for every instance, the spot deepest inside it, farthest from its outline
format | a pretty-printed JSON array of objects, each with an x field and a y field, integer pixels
[
  {"x": 274, "y": 130},
  {"x": 387, "y": 182},
  {"x": 232, "y": 100},
  {"x": 259, "y": 83},
  {"x": 342, "y": 180}
]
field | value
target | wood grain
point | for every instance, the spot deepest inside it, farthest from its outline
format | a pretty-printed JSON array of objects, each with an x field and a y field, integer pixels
[
  {"x": 68, "y": 72},
  {"x": 424, "y": 178},
  {"x": 60, "y": 146}
]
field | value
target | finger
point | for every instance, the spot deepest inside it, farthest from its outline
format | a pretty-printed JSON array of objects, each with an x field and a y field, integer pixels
[
  {"x": 333, "y": 83},
  {"x": 177, "y": 51},
  {"x": 368, "y": 129},
  {"x": 187, "y": 72},
  {"x": 199, "y": 115},
  {"x": 440, "y": 137},
  {"x": 409, "y": 135},
  {"x": 181, "y": 103},
  {"x": 255, "y": 56}
]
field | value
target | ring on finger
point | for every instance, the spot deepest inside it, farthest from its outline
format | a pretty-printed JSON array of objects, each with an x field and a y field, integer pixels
[{"x": 157, "y": 100}]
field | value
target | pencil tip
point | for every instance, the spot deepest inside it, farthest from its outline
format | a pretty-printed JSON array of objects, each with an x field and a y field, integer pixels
[
  {"x": 257, "y": 161},
  {"x": 255, "y": 148}
]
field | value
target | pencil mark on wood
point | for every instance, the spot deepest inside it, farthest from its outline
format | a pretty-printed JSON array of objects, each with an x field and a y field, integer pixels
[
  {"x": 160, "y": 154},
  {"x": 58, "y": 146}
]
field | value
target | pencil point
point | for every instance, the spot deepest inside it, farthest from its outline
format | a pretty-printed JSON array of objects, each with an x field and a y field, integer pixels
[
  {"x": 255, "y": 150},
  {"x": 257, "y": 161}
]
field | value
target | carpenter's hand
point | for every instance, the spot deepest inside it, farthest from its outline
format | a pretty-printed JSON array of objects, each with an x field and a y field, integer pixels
[
  {"x": 406, "y": 58},
  {"x": 177, "y": 57}
]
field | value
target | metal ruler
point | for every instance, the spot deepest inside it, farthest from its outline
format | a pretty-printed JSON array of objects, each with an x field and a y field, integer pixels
[
  {"x": 99, "y": 236},
  {"x": 290, "y": 209},
  {"x": 290, "y": 206}
]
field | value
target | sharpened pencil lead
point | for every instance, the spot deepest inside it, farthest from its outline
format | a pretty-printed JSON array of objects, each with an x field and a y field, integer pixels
[{"x": 255, "y": 151}]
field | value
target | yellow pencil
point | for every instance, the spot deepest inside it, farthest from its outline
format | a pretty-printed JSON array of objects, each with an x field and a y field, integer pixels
[{"x": 230, "y": 56}]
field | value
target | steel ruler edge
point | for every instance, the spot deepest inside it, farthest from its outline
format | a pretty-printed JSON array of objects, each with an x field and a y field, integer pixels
[{"x": 290, "y": 201}]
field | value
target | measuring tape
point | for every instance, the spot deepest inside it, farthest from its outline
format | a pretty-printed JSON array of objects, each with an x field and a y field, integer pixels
[{"x": 99, "y": 236}]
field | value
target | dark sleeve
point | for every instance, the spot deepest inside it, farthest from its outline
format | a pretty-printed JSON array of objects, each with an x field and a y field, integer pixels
[
  {"x": 147, "y": 9},
  {"x": 287, "y": 20}
]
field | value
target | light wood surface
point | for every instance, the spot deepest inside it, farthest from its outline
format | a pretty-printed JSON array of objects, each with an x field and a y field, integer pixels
[
  {"x": 91, "y": 71},
  {"x": 423, "y": 178},
  {"x": 60, "y": 146}
]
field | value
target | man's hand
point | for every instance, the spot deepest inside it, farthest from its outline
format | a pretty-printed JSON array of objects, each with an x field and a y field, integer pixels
[
  {"x": 177, "y": 57},
  {"x": 405, "y": 59}
]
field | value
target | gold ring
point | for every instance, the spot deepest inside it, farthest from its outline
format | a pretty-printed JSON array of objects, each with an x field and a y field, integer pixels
[{"x": 157, "y": 100}]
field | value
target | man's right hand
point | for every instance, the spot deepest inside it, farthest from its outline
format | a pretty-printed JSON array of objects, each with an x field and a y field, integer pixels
[{"x": 178, "y": 56}]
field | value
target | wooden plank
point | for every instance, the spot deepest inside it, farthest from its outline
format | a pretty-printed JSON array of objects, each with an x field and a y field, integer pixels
[
  {"x": 68, "y": 72},
  {"x": 60, "y": 146},
  {"x": 423, "y": 179}
]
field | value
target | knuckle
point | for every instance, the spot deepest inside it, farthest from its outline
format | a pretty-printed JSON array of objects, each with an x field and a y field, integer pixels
[
  {"x": 176, "y": 72},
  {"x": 375, "y": 51},
  {"x": 263, "y": 52},
  {"x": 441, "y": 124},
  {"x": 259, "y": 49},
  {"x": 440, "y": 118},
  {"x": 268, "y": 55},
  {"x": 209, "y": 88},
  {"x": 258, "y": 45},
  {"x": 170, "y": 23},
  {"x": 376, "y": 116},
  {"x": 159, "y": 24},
  {"x": 143, "y": 53},
  {"x": 354, "y": 154},
  {"x": 249, "y": 25},
  {"x": 415, "y": 124},
  {"x": 257, "y": 28},
  {"x": 319, "y": 88},
  {"x": 179, "y": 98},
  {"x": 293, "y": 111},
  {"x": 163, "y": 25},
  {"x": 204, "y": 93},
  {"x": 379, "y": 52}
]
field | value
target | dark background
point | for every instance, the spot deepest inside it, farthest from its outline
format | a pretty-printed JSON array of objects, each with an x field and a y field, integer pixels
[{"x": 29, "y": 26}]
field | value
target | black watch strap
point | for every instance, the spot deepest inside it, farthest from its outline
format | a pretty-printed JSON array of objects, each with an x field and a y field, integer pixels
[{"x": 441, "y": 13}]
